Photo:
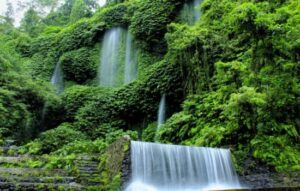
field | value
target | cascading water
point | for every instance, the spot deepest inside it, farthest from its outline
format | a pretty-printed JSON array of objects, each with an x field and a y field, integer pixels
[
  {"x": 118, "y": 64},
  {"x": 191, "y": 11},
  {"x": 57, "y": 78},
  {"x": 160, "y": 167},
  {"x": 131, "y": 54},
  {"x": 110, "y": 57},
  {"x": 161, "y": 117},
  {"x": 161, "y": 114}
]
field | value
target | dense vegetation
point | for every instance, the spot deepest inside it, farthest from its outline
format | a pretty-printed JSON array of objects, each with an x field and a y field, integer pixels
[{"x": 231, "y": 79}]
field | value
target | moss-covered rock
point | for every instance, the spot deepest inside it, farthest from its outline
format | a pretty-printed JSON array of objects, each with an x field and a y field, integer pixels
[{"x": 111, "y": 164}]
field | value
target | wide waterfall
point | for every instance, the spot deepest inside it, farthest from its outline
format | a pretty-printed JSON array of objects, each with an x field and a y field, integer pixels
[
  {"x": 57, "y": 78},
  {"x": 160, "y": 167},
  {"x": 191, "y": 11},
  {"x": 110, "y": 57},
  {"x": 131, "y": 55}
]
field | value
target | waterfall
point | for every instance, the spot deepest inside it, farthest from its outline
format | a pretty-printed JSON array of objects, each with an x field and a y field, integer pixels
[
  {"x": 196, "y": 10},
  {"x": 110, "y": 57},
  {"x": 57, "y": 78},
  {"x": 161, "y": 115},
  {"x": 191, "y": 11},
  {"x": 130, "y": 72},
  {"x": 159, "y": 167},
  {"x": 119, "y": 55}
]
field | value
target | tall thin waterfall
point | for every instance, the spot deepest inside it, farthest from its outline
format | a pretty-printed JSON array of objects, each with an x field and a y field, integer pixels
[
  {"x": 196, "y": 10},
  {"x": 109, "y": 57},
  {"x": 130, "y": 72},
  {"x": 161, "y": 115},
  {"x": 191, "y": 11},
  {"x": 57, "y": 78},
  {"x": 159, "y": 167}
]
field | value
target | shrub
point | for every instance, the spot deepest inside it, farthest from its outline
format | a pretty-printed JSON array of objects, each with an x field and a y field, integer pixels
[
  {"x": 150, "y": 20},
  {"x": 77, "y": 96},
  {"x": 78, "y": 65},
  {"x": 54, "y": 139}
]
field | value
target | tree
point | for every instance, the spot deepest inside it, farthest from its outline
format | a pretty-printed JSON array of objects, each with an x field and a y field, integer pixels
[
  {"x": 31, "y": 23},
  {"x": 9, "y": 13},
  {"x": 79, "y": 10},
  {"x": 71, "y": 11}
]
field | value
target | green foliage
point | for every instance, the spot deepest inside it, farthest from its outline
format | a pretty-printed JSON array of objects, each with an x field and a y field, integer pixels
[
  {"x": 54, "y": 139},
  {"x": 115, "y": 15},
  {"x": 111, "y": 165},
  {"x": 244, "y": 81},
  {"x": 277, "y": 151},
  {"x": 23, "y": 102},
  {"x": 76, "y": 97},
  {"x": 79, "y": 10},
  {"x": 149, "y": 133},
  {"x": 14, "y": 115},
  {"x": 55, "y": 162},
  {"x": 78, "y": 65},
  {"x": 237, "y": 69},
  {"x": 132, "y": 104},
  {"x": 80, "y": 34},
  {"x": 31, "y": 23},
  {"x": 149, "y": 21},
  {"x": 32, "y": 148},
  {"x": 81, "y": 147}
]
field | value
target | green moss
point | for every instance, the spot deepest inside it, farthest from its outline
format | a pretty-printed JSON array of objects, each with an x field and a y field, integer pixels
[{"x": 111, "y": 164}]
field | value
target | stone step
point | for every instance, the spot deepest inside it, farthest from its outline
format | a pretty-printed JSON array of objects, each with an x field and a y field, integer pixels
[
  {"x": 87, "y": 168},
  {"x": 25, "y": 186},
  {"x": 14, "y": 158},
  {"x": 31, "y": 172},
  {"x": 38, "y": 179},
  {"x": 88, "y": 164},
  {"x": 86, "y": 175},
  {"x": 9, "y": 150},
  {"x": 13, "y": 161}
]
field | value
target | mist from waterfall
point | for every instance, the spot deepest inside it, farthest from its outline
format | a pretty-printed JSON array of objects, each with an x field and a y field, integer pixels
[
  {"x": 191, "y": 12},
  {"x": 57, "y": 79},
  {"x": 160, "y": 167}
]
